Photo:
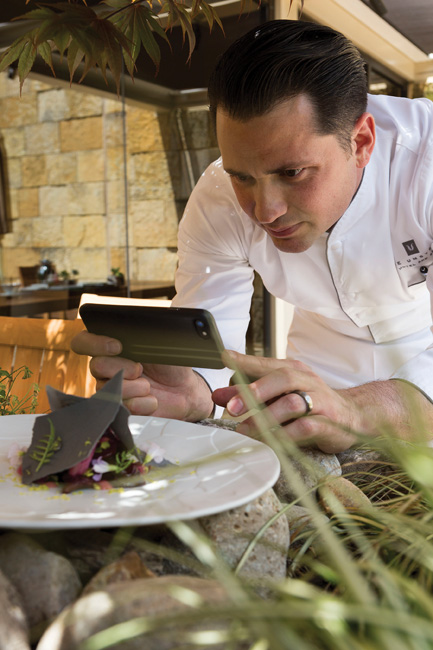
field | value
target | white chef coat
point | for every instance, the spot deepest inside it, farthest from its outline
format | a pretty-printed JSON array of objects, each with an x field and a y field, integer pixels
[{"x": 362, "y": 305}]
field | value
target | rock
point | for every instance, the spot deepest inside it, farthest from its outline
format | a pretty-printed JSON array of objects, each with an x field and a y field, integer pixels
[
  {"x": 178, "y": 557},
  {"x": 349, "y": 496},
  {"x": 361, "y": 465},
  {"x": 13, "y": 624},
  {"x": 121, "y": 602},
  {"x": 127, "y": 567},
  {"x": 312, "y": 468},
  {"x": 221, "y": 423},
  {"x": 232, "y": 531},
  {"x": 301, "y": 524},
  {"x": 45, "y": 581},
  {"x": 90, "y": 552}
]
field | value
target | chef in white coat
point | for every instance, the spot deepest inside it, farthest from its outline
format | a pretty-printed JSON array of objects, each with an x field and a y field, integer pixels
[{"x": 326, "y": 192}]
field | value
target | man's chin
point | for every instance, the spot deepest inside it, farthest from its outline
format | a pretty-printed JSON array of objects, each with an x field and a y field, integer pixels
[{"x": 292, "y": 244}]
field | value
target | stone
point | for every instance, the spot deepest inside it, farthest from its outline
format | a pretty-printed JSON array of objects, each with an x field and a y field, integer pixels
[
  {"x": 118, "y": 260},
  {"x": 198, "y": 129},
  {"x": 143, "y": 131},
  {"x": 61, "y": 168},
  {"x": 47, "y": 232},
  {"x": 152, "y": 225},
  {"x": 116, "y": 197},
  {"x": 55, "y": 200},
  {"x": 221, "y": 423},
  {"x": 33, "y": 171},
  {"x": 82, "y": 102},
  {"x": 233, "y": 530},
  {"x": 363, "y": 464},
  {"x": 114, "y": 159},
  {"x": 17, "y": 111},
  {"x": 87, "y": 199},
  {"x": 92, "y": 263},
  {"x": 121, "y": 602},
  {"x": 14, "y": 141},
  {"x": 57, "y": 104},
  {"x": 45, "y": 581},
  {"x": 90, "y": 554},
  {"x": 301, "y": 524},
  {"x": 178, "y": 558},
  {"x": 312, "y": 466},
  {"x": 9, "y": 240},
  {"x": 90, "y": 166},
  {"x": 156, "y": 263},
  {"x": 37, "y": 86},
  {"x": 13, "y": 199},
  {"x": 10, "y": 87},
  {"x": 113, "y": 129},
  {"x": 349, "y": 497},
  {"x": 52, "y": 105},
  {"x": 42, "y": 138},
  {"x": 14, "y": 172},
  {"x": 150, "y": 177},
  {"x": 14, "y": 631},
  {"x": 23, "y": 233},
  {"x": 12, "y": 259},
  {"x": 28, "y": 202},
  {"x": 84, "y": 231},
  {"x": 81, "y": 134},
  {"x": 116, "y": 230},
  {"x": 112, "y": 106},
  {"x": 127, "y": 567}
]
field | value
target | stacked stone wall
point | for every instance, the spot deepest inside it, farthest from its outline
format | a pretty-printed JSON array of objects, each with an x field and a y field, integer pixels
[{"x": 65, "y": 160}]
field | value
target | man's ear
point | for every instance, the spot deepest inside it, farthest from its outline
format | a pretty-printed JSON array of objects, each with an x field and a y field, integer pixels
[{"x": 363, "y": 139}]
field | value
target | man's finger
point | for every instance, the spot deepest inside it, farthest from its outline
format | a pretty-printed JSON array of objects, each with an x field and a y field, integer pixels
[
  {"x": 107, "y": 367},
  {"x": 142, "y": 405},
  {"x": 251, "y": 366},
  {"x": 95, "y": 345},
  {"x": 223, "y": 395}
]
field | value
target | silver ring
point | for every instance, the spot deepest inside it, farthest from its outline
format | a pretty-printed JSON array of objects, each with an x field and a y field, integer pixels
[{"x": 307, "y": 399}]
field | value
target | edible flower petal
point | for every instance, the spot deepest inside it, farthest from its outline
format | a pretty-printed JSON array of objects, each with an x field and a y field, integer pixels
[
  {"x": 101, "y": 466},
  {"x": 153, "y": 451},
  {"x": 15, "y": 453}
]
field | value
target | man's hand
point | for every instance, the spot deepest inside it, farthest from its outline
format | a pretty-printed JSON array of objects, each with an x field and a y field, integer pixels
[
  {"x": 335, "y": 413},
  {"x": 162, "y": 391}
]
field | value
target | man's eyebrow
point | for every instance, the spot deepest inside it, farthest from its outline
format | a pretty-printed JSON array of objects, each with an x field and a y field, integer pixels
[
  {"x": 232, "y": 172},
  {"x": 278, "y": 170}
]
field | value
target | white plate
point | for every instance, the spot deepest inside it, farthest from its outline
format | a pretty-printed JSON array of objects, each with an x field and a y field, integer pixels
[{"x": 216, "y": 470}]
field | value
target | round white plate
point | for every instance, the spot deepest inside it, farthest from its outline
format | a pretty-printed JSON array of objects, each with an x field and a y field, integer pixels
[{"x": 216, "y": 470}]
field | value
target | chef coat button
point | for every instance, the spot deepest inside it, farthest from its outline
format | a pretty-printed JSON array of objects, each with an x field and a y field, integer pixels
[{"x": 423, "y": 270}]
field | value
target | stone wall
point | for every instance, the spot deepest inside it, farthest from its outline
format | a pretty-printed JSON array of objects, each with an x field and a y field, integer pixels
[{"x": 65, "y": 158}]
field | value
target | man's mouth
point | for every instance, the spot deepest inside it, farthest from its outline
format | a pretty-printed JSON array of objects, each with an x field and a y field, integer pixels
[{"x": 281, "y": 233}]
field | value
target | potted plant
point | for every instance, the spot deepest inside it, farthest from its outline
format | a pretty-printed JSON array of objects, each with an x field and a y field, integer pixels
[
  {"x": 65, "y": 276},
  {"x": 116, "y": 277}
]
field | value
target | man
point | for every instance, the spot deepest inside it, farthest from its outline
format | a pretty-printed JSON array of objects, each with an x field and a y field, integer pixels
[{"x": 330, "y": 201}]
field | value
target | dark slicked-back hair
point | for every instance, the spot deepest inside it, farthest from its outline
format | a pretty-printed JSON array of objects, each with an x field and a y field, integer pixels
[{"x": 286, "y": 58}]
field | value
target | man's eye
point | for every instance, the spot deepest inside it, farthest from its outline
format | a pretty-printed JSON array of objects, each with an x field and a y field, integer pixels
[
  {"x": 292, "y": 173},
  {"x": 239, "y": 178}
]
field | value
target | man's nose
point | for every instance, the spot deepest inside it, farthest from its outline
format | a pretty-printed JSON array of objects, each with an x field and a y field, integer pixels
[{"x": 269, "y": 205}]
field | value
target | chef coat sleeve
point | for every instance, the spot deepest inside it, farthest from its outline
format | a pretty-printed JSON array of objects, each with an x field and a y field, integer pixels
[{"x": 213, "y": 271}]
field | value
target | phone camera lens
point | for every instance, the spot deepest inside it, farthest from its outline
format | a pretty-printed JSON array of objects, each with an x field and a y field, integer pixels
[{"x": 201, "y": 329}]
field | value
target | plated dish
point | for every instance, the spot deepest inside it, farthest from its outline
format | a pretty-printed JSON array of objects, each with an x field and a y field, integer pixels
[{"x": 215, "y": 470}]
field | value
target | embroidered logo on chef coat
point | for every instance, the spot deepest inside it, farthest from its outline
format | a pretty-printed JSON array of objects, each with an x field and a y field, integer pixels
[
  {"x": 414, "y": 268},
  {"x": 410, "y": 247}
]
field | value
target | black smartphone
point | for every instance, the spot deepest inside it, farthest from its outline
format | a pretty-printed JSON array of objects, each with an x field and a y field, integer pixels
[{"x": 175, "y": 336}]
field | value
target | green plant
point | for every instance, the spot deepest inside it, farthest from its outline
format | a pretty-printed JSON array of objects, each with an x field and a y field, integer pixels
[
  {"x": 105, "y": 37},
  {"x": 10, "y": 404}
]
